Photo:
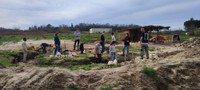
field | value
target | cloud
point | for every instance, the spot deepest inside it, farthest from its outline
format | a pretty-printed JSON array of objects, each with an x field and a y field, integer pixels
[{"x": 25, "y": 13}]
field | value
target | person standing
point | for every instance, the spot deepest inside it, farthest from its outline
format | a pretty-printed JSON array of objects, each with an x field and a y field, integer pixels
[
  {"x": 113, "y": 38},
  {"x": 25, "y": 50},
  {"x": 112, "y": 51},
  {"x": 144, "y": 43},
  {"x": 57, "y": 43},
  {"x": 103, "y": 41},
  {"x": 127, "y": 41},
  {"x": 97, "y": 52},
  {"x": 77, "y": 38}
]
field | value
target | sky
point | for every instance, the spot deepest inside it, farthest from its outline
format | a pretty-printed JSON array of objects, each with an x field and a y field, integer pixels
[{"x": 26, "y": 13}]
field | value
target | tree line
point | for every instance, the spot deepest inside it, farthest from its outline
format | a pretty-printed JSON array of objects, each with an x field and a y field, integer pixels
[
  {"x": 192, "y": 26},
  {"x": 82, "y": 26}
]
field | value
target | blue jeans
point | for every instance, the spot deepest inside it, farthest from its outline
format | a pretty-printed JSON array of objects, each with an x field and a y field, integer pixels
[
  {"x": 113, "y": 56},
  {"x": 103, "y": 47},
  {"x": 126, "y": 46},
  {"x": 57, "y": 48}
]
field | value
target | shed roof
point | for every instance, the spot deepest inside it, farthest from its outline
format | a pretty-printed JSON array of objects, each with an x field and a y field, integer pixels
[{"x": 149, "y": 28}]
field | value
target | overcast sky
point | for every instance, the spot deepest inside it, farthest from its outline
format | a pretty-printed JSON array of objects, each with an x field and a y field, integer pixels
[{"x": 26, "y": 13}]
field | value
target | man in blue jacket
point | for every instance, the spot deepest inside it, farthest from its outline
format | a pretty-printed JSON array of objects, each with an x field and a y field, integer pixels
[
  {"x": 127, "y": 41},
  {"x": 57, "y": 43}
]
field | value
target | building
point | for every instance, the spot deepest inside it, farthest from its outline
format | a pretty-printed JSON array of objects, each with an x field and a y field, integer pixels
[
  {"x": 135, "y": 33},
  {"x": 100, "y": 30}
]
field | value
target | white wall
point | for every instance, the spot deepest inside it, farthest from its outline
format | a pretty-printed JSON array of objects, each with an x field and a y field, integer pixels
[{"x": 100, "y": 30}]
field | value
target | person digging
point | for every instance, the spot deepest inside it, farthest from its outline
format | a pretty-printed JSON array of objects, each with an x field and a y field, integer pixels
[{"x": 97, "y": 52}]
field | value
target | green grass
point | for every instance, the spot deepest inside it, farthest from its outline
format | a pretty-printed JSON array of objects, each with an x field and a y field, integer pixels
[
  {"x": 84, "y": 37},
  {"x": 5, "y": 58},
  {"x": 182, "y": 37},
  {"x": 45, "y": 60},
  {"x": 83, "y": 67},
  {"x": 5, "y": 62},
  {"x": 73, "y": 87},
  {"x": 81, "y": 57},
  {"x": 149, "y": 71},
  {"x": 7, "y": 54},
  {"x": 151, "y": 49},
  {"x": 108, "y": 66},
  {"x": 109, "y": 86},
  {"x": 71, "y": 67}
]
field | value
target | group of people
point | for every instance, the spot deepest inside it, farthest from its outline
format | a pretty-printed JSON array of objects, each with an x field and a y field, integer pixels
[
  {"x": 57, "y": 41},
  {"x": 99, "y": 47},
  {"x": 127, "y": 40}
]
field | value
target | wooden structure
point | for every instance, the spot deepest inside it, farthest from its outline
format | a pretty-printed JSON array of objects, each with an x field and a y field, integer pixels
[{"x": 135, "y": 33}]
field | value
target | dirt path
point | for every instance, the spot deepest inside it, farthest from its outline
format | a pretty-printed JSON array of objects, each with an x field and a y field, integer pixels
[{"x": 66, "y": 44}]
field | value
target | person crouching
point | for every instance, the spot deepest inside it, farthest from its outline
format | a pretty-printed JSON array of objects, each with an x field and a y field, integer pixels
[
  {"x": 44, "y": 47},
  {"x": 97, "y": 52}
]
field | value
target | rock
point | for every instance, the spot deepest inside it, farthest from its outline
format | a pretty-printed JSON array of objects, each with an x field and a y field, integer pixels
[
  {"x": 110, "y": 62},
  {"x": 74, "y": 54}
]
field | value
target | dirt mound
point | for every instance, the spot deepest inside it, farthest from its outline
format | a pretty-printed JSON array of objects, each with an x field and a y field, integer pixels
[
  {"x": 192, "y": 42},
  {"x": 160, "y": 38},
  {"x": 175, "y": 74},
  {"x": 180, "y": 75}
]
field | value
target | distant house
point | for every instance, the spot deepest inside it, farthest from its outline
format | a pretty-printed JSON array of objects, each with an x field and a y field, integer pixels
[
  {"x": 100, "y": 30},
  {"x": 135, "y": 33}
]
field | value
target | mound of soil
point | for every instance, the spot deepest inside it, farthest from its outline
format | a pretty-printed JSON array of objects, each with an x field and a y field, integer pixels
[
  {"x": 172, "y": 75},
  {"x": 160, "y": 38},
  {"x": 192, "y": 42}
]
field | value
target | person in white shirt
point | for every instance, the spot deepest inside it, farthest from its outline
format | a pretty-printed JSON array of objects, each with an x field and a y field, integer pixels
[
  {"x": 113, "y": 38},
  {"x": 24, "y": 48}
]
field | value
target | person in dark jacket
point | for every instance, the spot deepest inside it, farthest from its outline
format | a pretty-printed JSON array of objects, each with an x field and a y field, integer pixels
[
  {"x": 127, "y": 41},
  {"x": 57, "y": 43},
  {"x": 103, "y": 41},
  {"x": 44, "y": 47},
  {"x": 144, "y": 40}
]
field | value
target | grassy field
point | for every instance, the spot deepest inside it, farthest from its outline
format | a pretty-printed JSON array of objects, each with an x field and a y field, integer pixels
[
  {"x": 84, "y": 37},
  {"x": 182, "y": 37}
]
